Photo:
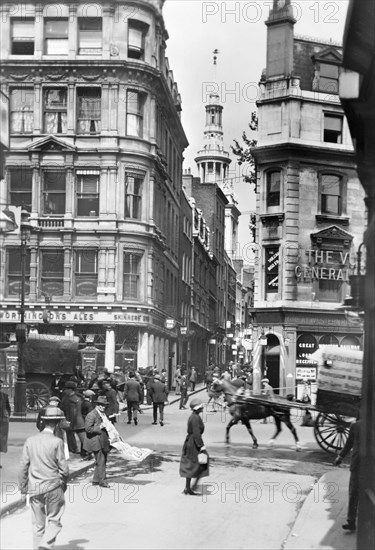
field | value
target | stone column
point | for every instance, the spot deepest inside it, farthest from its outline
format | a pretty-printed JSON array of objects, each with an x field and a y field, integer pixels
[
  {"x": 73, "y": 31},
  {"x": 71, "y": 114},
  {"x": 103, "y": 192},
  {"x": 36, "y": 192},
  {"x": 105, "y": 108},
  {"x": 39, "y": 32},
  {"x": 151, "y": 348},
  {"x": 111, "y": 190},
  {"x": 38, "y": 110},
  {"x": 69, "y": 194},
  {"x": 109, "y": 359},
  {"x": 108, "y": 13},
  {"x": 166, "y": 351},
  {"x": 113, "y": 99},
  {"x": 68, "y": 269},
  {"x": 143, "y": 349},
  {"x": 156, "y": 351},
  {"x": 33, "y": 291}
]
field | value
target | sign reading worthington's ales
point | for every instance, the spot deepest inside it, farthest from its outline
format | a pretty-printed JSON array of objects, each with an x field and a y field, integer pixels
[{"x": 75, "y": 316}]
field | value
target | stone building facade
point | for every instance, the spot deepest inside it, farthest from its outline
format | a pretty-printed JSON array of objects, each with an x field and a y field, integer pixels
[
  {"x": 310, "y": 213},
  {"x": 95, "y": 157}
]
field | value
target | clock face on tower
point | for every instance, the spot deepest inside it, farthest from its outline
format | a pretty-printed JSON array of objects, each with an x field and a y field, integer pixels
[{"x": 280, "y": 4}]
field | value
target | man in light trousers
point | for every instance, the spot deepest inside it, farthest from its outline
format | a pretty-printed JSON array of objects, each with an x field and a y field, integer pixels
[{"x": 44, "y": 476}]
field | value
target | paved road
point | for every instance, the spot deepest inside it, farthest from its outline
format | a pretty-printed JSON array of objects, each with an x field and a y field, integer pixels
[{"x": 251, "y": 499}]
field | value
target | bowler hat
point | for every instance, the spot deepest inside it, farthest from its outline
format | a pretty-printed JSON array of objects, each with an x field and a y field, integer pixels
[
  {"x": 156, "y": 376},
  {"x": 52, "y": 413},
  {"x": 88, "y": 393},
  {"x": 102, "y": 400},
  {"x": 70, "y": 385}
]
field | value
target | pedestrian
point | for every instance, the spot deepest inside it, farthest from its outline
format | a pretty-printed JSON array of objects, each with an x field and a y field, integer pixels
[
  {"x": 60, "y": 428},
  {"x": 352, "y": 444},
  {"x": 71, "y": 405},
  {"x": 150, "y": 379},
  {"x": 5, "y": 412},
  {"x": 184, "y": 390},
  {"x": 113, "y": 404},
  {"x": 97, "y": 440},
  {"x": 57, "y": 384},
  {"x": 267, "y": 389},
  {"x": 193, "y": 378},
  {"x": 163, "y": 377},
  {"x": 177, "y": 379},
  {"x": 44, "y": 476},
  {"x": 190, "y": 466},
  {"x": 133, "y": 395},
  {"x": 209, "y": 377},
  {"x": 159, "y": 396},
  {"x": 87, "y": 403}
]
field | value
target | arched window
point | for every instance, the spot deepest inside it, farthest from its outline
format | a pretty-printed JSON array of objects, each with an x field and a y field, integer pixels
[
  {"x": 328, "y": 340},
  {"x": 273, "y": 188}
]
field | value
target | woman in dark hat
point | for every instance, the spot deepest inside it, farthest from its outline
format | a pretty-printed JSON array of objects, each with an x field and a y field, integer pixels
[{"x": 193, "y": 446}]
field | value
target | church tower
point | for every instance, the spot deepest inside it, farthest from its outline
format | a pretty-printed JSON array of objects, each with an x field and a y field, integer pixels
[{"x": 213, "y": 168}]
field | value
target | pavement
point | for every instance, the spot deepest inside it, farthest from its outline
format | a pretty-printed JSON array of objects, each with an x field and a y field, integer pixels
[{"x": 317, "y": 525}]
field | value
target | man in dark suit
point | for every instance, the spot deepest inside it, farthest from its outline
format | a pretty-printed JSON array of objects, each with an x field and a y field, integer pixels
[
  {"x": 97, "y": 440},
  {"x": 133, "y": 395},
  {"x": 71, "y": 405},
  {"x": 113, "y": 404},
  {"x": 4, "y": 420},
  {"x": 352, "y": 444},
  {"x": 159, "y": 395},
  {"x": 44, "y": 475}
]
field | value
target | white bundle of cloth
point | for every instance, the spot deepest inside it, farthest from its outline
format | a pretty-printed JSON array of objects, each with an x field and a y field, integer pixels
[{"x": 125, "y": 450}]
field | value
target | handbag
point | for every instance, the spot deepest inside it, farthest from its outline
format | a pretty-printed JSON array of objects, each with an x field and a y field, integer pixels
[{"x": 202, "y": 458}]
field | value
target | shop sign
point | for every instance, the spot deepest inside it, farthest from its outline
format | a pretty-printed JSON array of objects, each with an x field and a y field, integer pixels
[
  {"x": 331, "y": 265},
  {"x": 170, "y": 323},
  {"x": 184, "y": 331},
  {"x": 306, "y": 373},
  {"x": 76, "y": 316}
]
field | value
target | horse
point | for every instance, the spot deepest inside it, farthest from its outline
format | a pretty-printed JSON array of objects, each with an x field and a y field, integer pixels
[{"x": 247, "y": 411}]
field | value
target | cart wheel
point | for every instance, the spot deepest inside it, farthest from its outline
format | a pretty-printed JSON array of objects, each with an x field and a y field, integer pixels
[
  {"x": 331, "y": 431},
  {"x": 37, "y": 396}
]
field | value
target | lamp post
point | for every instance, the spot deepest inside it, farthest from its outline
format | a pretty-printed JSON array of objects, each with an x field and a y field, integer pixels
[{"x": 21, "y": 328}]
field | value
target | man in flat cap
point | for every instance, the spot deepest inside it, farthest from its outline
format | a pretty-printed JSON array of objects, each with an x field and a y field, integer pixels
[{"x": 44, "y": 475}]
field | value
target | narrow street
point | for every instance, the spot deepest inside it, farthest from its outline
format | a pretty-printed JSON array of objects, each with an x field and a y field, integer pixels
[{"x": 251, "y": 498}]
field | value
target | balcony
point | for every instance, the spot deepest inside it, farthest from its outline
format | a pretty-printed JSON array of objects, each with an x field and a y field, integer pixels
[{"x": 50, "y": 223}]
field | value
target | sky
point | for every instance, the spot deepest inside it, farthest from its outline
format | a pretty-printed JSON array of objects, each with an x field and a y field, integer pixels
[{"x": 236, "y": 28}]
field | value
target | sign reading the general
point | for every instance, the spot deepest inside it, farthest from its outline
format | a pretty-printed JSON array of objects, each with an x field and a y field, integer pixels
[{"x": 331, "y": 265}]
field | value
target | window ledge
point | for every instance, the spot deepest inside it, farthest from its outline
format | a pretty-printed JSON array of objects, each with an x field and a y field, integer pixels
[
  {"x": 329, "y": 218},
  {"x": 272, "y": 219}
]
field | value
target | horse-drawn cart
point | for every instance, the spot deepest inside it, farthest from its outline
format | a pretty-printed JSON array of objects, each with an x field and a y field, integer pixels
[{"x": 338, "y": 396}]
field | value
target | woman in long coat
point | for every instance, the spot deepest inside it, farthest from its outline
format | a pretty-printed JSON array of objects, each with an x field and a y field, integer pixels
[{"x": 189, "y": 465}]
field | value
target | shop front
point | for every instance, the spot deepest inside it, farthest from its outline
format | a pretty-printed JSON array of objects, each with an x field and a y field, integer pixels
[{"x": 109, "y": 337}]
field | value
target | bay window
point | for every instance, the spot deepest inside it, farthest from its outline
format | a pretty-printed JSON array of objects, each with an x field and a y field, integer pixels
[{"x": 136, "y": 39}]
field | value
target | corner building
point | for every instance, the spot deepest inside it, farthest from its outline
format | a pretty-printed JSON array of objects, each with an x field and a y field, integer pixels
[
  {"x": 310, "y": 212},
  {"x": 95, "y": 156}
]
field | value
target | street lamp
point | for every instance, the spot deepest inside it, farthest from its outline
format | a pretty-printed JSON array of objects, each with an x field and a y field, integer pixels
[{"x": 21, "y": 328}]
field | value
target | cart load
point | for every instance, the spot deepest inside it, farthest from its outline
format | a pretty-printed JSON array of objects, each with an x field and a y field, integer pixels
[{"x": 339, "y": 382}]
